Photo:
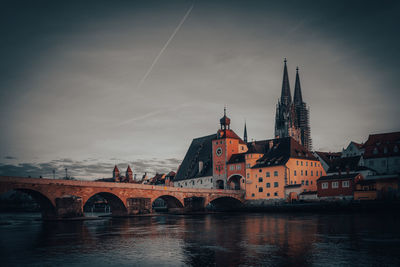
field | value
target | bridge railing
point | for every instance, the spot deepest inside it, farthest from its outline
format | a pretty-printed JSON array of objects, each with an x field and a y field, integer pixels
[{"x": 24, "y": 180}]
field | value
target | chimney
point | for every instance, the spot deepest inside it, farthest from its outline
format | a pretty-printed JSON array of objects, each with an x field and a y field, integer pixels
[{"x": 200, "y": 166}]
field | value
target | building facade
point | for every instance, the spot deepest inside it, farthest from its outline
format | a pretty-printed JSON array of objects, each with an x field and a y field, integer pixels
[{"x": 382, "y": 153}]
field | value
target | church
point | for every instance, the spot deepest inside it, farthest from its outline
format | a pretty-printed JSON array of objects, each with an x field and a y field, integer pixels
[{"x": 276, "y": 169}]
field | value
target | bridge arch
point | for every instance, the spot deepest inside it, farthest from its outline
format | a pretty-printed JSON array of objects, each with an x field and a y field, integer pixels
[
  {"x": 47, "y": 207},
  {"x": 235, "y": 182},
  {"x": 117, "y": 205},
  {"x": 171, "y": 202},
  {"x": 225, "y": 203}
]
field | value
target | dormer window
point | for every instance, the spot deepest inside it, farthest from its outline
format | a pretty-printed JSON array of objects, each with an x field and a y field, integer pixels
[
  {"x": 375, "y": 151},
  {"x": 396, "y": 149}
]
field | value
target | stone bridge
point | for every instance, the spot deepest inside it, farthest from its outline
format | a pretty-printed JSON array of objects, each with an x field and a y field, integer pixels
[{"x": 66, "y": 198}]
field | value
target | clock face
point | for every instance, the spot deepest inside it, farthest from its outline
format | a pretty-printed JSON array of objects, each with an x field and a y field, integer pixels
[{"x": 218, "y": 152}]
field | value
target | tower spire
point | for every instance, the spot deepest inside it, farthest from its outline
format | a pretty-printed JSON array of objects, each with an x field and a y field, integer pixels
[
  {"x": 245, "y": 133},
  {"x": 286, "y": 97},
  {"x": 298, "y": 99}
]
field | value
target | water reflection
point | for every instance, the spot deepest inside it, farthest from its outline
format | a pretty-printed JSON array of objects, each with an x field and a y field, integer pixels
[{"x": 203, "y": 240}]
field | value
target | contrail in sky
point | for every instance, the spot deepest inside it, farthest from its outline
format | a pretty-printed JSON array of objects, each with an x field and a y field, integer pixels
[{"x": 165, "y": 46}]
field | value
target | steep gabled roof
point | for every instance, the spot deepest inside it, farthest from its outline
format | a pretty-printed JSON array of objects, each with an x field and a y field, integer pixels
[
  {"x": 280, "y": 150},
  {"x": 382, "y": 145},
  {"x": 229, "y": 134},
  {"x": 338, "y": 177},
  {"x": 328, "y": 157},
  {"x": 257, "y": 147},
  {"x": 199, "y": 150},
  {"x": 344, "y": 164},
  {"x": 236, "y": 158}
]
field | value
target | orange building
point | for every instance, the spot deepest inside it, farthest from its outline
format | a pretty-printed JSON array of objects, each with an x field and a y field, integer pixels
[{"x": 276, "y": 166}]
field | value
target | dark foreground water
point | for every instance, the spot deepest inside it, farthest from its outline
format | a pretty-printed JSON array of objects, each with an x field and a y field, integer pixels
[{"x": 215, "y": 239}]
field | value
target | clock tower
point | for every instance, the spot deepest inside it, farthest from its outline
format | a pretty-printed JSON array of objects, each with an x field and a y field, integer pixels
[{"x": 226, "y": 144}]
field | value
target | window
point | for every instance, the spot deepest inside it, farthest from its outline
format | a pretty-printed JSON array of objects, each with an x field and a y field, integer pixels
[
  {"x": 316, "y": 173},
  {"x": 396, "y": 149},
  {"x": 295, "y": 173},
  {"x": 248, "y": 175},
  {"x": 267, "y": 194},
  {"x": 301, "y": 163},
  {"x": 260, "y": 180},
  {"x": 231, "y": 167},
  {"x": 301, "y": 172},
  {"x": 324, "y": 185},
  {"x": 276, "y": 184},
  {"x": 267, "y": 174},
  {"x": 306, "y": 163},
  {"x": 248, "y": 165},
  {"x": 260, "y": 170},
  {"x": 375, "y": 151},
  {"x": 345, "y": 184},
  {"x": 310, "y": 182},
  {"x": 211, "y": 180},
  {"x": 306, "y": 172},
  {"x": 335, "y": 184},
  {"x": 252, "y": 195},
  {"x": 238, "y": 167},
  {"x": 242, "y": 181},
  {"x": 306, "y": 182},
  {"x": 302, "y": 182},
  {"x": 385, "y": 150},
  {"x": 276, "y": 194},
  {"x": 260, "y": 189},
  {"x": 275, "y": 173},
  {"x": 311, "y": 164},
  {"x": 311, "y": 173},
  {"x": 297, "y": 162},
  {"x": 268, "y": 185}
]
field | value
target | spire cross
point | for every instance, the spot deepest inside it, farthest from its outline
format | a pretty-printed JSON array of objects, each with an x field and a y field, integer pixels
[{"x": 285, "y": 60}]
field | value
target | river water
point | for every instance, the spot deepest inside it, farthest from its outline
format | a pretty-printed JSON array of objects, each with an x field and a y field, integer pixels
[{"x": 245, "y": 239}]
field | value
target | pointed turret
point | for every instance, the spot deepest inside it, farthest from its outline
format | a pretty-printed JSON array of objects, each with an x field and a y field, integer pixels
[
  {"x": 115, "y": 172},
  {"x": 286, "y": 97},
  {"x": 298, "y": 99},
  {"x": 245, "y": 133},
  {"x": 225, "y": 121},
  {"x": 129, "y": 174}
]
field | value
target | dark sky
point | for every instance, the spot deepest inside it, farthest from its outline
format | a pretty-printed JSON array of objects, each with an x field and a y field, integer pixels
[{"x": 70, "y": 74}]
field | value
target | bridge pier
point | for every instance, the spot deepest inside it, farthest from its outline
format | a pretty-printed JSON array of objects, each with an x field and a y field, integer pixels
[
  {"x": 193, "y": 204},
  {"x": 139, "y": 205},
  {"x": 69, "y": 207}
]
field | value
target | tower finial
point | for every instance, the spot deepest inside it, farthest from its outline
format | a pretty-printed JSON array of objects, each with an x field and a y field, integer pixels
[
  {"x": 284, "y": 60},
  {"x": 245, "y": 132},
  {"x": 297, "y": 68},
  {"x": 224, "y": 110}
]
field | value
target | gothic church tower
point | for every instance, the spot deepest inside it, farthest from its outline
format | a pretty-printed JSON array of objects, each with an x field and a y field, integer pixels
[
  {"x": 302, "y": 113},
  {"x": 286, "y": 119}
]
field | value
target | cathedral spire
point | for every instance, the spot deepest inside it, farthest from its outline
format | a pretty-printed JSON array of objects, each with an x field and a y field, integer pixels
[
  {"x": 286, "y": 97},
  {"x": 245, "y": 133},
  {"x": 298, "y": 99}
]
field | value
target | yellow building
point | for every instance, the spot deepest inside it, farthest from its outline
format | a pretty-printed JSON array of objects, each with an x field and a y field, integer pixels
[{"x": 272, "y": 165}]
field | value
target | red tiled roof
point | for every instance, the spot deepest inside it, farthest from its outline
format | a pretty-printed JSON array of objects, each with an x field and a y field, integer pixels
[
  {"x": 230, "y": 134},
  {"x": 382, "y": 145}
]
